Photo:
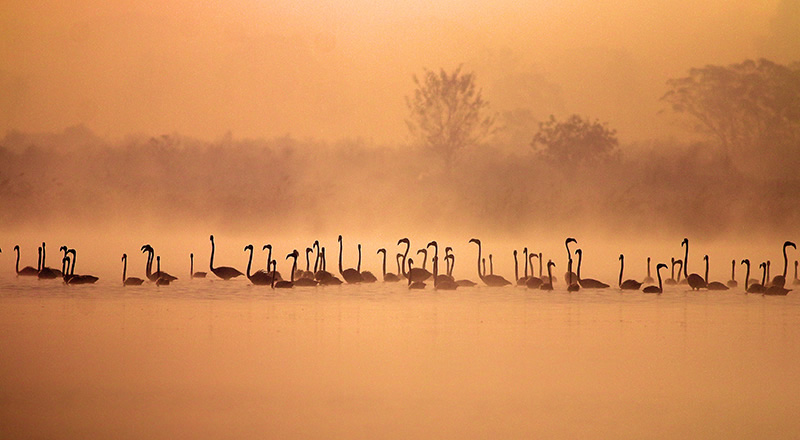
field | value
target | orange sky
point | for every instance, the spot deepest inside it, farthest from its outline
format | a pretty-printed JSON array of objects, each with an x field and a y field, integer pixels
[{"x": 333, "y": 69}]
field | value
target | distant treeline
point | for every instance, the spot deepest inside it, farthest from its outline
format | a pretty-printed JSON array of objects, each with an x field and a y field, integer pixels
[{"x": 76, "y": 177}]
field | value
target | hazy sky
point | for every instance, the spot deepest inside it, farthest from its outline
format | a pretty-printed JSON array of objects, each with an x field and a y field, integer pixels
[{"x": 333, "y": 68}]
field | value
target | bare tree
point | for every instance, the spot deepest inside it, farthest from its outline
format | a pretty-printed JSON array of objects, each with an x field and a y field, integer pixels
[{"x": 447, "y": 113}]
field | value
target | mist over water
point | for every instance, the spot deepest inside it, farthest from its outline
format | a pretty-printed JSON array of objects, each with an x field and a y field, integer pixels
[{"x": 105, "y": 199}]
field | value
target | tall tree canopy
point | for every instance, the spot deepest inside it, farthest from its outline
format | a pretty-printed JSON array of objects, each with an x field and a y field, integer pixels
[
  {"x": 447, "y": 112},
  {"x": 750, "y": 107}
]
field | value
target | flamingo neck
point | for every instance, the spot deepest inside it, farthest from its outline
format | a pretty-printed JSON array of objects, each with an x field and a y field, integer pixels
[
  {"x": 211, "y": 260},
  {"x": 340, "y": 256},
  {"x": 747, "y": 276},
  {"x": 569, "y": 271},
  {"x": 686, "y": 262},
  {"x": 785, "y": 261},
  {"x": 405, "y": 258},
  {"x": 525, "y": 255},
  {"x": 658, "y": 274},
  {"x": 249, "y": 261},
  {"x": 479, "y": 262},
  {"x": 149, "y": 265},
  {"x": 435, "y": 271}
]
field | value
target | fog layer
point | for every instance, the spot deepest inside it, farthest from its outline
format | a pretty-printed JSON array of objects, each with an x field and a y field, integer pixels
[{"x": 336, "y": 69}]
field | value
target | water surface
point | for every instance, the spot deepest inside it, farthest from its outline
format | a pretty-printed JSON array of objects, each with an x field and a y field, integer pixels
[{"x": 214, "y": 359}]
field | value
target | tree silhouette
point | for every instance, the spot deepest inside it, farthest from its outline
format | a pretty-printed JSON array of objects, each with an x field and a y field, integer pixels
[
  {"x": 447, "y": 113},
  {"x": 574, "y": 141},
  {"x": 748, "y": 107}
]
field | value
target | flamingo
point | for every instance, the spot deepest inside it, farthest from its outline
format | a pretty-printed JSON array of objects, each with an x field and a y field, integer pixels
[
  {"x": 148, "y": 272},
  {"x": 47, "y": 273},
  {"x": 413, "y": 284},
  {"x": 132, "y": 281},
  {"x": 524, "y": 279},
  {"x": 319, "y": 272},
  {"x": 534, "y": 282},
  {"x": 224, "y": 272},
  {"x": 628, "y": 284},
  {"x": 491, "y": 279},
  {"x": 671, "y": 280},
  {"x": 307, "y": 273},
  {"x": 192, "y": 273},
  {"x": 648, "y": 278},
  {"x": 447, "y": 251},
  {"x": 306, "y": 279},
  {"x": 660, "y": 288},
  {"x": 259, "y": 278},
  {"x": 65, "y": 268},
  {"x": 569, "y": 275},
  {"x": 325, "y": 277},
  {"x": 776, "y": 290},
  {"x": 714, "y": 285},
  {"x": 289, "y": 284},
  {"x": 780, "y": 280},
  {"x": 695, "y": 281},
  {"x": 587, "y": 283},
  {"x": 549, "y": 284},
  {"x": 387, "y": 277},
  {"x": 352, "y": 276},
  {"x": 162, "y": 280},
  {"x": 571, "y": 286},
  {"x": 26, "y": 271},
  {"x": 79, "y": 279},
  {"x": 732, "y": 282},
  {"x": 274, "y": 273},
  {"x": 441, "y": 282},
  {"x": 756, "y": 287},
  {"x": 417, "y": 273}
]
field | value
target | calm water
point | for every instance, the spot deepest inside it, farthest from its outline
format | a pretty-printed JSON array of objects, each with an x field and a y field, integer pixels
[{"x": 214, "y": 359}]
